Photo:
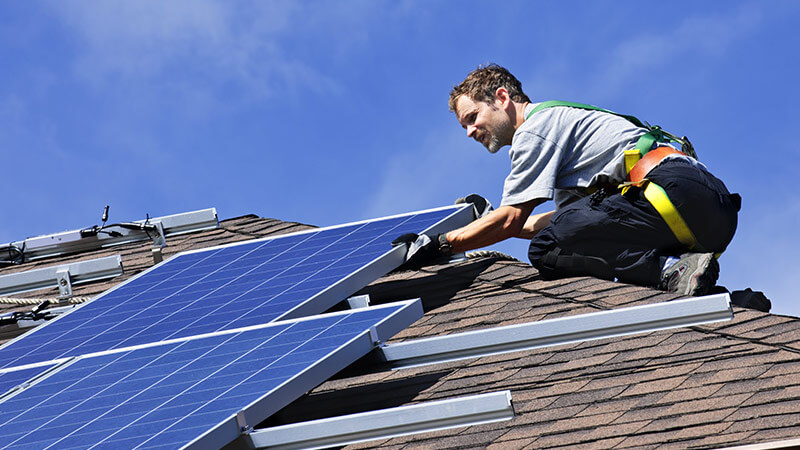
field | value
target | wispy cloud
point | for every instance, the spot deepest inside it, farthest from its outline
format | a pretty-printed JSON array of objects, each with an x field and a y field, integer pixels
[
  {"x": 222, "y": 42},
  {"x": 642, "y": 52},
  {"x": 665, "y": 47}
]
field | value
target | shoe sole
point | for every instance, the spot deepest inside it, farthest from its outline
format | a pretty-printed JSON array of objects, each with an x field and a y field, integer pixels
[{"x": 704, "y": 276}]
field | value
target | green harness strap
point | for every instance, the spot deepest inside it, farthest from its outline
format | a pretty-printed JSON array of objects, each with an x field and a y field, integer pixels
[{"x": 643, "y": 145}]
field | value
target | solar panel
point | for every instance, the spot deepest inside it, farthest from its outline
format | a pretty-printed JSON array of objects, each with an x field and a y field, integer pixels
[
  {"x": 14, "y": 378},
  {"x": 194, "y": 392},
  {"x": 232, "y": 286}
]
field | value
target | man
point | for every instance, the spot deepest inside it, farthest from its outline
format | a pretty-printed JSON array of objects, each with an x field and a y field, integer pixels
[{"x": 576, "y": 156}]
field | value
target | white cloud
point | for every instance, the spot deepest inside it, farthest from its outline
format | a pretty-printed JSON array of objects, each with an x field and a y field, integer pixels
[
  {"x": 644, "y": 53},
  {"x": 146, "y": 40},
  {"x": 665, "y": 47}
]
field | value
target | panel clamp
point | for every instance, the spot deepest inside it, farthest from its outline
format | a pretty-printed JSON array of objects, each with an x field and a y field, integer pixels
[
  {"x": 64, "y": 284},
  {"x": 241, "y": 422}
]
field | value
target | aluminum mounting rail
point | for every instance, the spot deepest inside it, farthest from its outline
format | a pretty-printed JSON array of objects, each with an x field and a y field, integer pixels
[
  {"x": 385, "y": 423},
  {"x": 61, "y": 276},
  {"x": 89, "y": 239},
  {"x": 563, "y": 330}
]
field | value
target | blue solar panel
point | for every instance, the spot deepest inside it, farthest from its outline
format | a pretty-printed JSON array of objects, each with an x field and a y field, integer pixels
[
  {"x": 171, "y": 394},
  {"x": 231, "y": 287},
  {"x": 13, "y": 378}
]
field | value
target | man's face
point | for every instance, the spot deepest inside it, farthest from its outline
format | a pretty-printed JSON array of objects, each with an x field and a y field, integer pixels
[{"x": 485, "y": 122}]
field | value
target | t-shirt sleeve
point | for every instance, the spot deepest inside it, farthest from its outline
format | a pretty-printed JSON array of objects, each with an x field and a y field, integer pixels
[{"x": 534, "y": 168}]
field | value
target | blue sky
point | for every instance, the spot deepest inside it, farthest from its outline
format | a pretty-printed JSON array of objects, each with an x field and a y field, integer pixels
[{"x": 329, "y": 112}]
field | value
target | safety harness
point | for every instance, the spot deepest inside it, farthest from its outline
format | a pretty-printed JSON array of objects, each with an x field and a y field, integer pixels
[{"x": 638, "y": 163}]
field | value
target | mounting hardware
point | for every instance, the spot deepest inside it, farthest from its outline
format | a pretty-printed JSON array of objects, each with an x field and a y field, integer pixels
[
  {"x": 76, "y": 241},
  {"x": 64, "y": 284},
  {"x": 157, "y": 255},
  {"x": 358, "y": 301},
  {"x": 63, "y": 276}
]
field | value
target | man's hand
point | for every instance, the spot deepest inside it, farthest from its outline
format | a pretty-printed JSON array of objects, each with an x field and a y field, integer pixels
[
  {"x": 420, "y": 249},
  {"x": 482, "y": 206}
]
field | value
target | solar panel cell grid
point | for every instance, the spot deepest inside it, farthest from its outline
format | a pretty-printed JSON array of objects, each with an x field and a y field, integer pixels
[
  {"x": 9, "y": 380},
  {"x": 166, "y": 395},
  {"x": 221, "y": 288}
]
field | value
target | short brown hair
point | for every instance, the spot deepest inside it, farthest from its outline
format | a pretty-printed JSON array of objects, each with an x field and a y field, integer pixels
[{"x": 481, "y": 84}]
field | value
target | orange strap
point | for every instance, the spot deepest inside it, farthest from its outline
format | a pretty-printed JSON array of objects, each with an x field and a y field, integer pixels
[{"x": 648, "y": 161}]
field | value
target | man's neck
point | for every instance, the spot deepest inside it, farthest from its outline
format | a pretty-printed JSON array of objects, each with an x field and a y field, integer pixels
[{"x": 519, "y": 114}]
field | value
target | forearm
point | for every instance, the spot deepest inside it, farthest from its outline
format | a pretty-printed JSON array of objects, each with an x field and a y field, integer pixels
[
  {"x": 500, "y": 224},
  {"x": 535, "y": 224}
]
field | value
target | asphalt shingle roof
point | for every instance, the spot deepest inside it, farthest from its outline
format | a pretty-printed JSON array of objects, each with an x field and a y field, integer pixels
[{"x": 708, "y": 386}]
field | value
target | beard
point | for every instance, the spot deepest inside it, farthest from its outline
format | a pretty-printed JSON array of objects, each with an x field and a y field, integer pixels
[
  {"x": 498, "y": 135},
  {"x": 493, "y": 145}
]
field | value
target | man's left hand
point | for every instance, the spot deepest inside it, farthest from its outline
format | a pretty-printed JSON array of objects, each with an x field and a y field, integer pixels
[{"x": 481, "y": 205}]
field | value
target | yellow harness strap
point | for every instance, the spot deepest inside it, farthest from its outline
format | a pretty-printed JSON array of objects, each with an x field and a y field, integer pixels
[
  {"x": 657, "y": 197},
  {"x": 631, "y": 158}
]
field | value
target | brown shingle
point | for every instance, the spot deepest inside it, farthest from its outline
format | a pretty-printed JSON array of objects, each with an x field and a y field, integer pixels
[
  {"x": 773, "y": 395},
  {"x": 510, "y": 445},
  {"x": 698, "y": 392},
  {"x": 720, "y": 440},
  {"x": 769, "y": 422},
  {"x": 760, "y": 356},
  {"x": 777, "y": 407},
  {"x": 648, "y": 387},
  {"x": 682, "y": 421},
  {"x": 707, "y": 404}
]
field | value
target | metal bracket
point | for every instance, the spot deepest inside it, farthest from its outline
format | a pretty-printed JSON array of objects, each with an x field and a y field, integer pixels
[
  {"x": 242, "y": 423},
  {"x": 64, "y": 284},
  {"x": 159, "y": 240},
  {"x": 358, "y": 301},
  {"x": 376, "y": 339}
]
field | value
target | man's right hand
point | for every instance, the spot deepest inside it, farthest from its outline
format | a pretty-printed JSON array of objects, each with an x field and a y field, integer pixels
[
  {"x": 421, "y": 249},
  {"x": 482, "y": 206}
]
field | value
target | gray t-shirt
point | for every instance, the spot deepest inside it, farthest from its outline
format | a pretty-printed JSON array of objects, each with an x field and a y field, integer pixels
[{"x": 559, "y": 151}]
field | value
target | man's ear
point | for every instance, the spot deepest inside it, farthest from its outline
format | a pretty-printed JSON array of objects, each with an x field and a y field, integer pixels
[{"x": 501, "y": 98}]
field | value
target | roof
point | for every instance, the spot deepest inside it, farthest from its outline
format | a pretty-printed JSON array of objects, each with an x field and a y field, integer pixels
[{"x": 707, "y": 386}]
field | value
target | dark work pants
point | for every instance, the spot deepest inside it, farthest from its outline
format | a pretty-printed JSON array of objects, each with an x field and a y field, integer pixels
[{"x": 627, "y": 232}]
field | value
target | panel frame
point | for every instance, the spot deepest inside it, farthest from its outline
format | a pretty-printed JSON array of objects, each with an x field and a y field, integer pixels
[{"x": 328, "y": 297}]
